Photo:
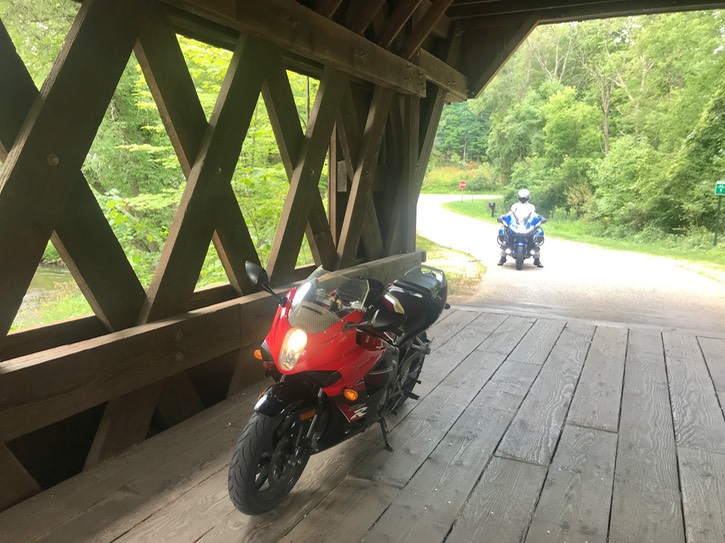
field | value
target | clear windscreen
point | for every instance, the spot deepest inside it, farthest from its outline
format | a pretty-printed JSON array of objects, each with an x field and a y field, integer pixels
[{"x": 326, "y": 298}]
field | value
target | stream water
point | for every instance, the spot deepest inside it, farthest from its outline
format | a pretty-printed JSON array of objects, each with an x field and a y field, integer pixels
[{"x": 49, "y": 283}]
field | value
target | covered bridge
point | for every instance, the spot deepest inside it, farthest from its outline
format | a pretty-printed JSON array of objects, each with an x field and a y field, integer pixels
[{"x": 74, "y": 393}]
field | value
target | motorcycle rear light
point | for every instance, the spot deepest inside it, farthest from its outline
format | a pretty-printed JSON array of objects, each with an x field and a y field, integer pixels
[{"x": 350, "y": 394}]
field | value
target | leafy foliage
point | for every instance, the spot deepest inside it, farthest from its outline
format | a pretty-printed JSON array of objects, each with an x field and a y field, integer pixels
[{"x": 620, "y": 120}]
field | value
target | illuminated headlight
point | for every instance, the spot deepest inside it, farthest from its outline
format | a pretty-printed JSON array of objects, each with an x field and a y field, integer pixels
[{"x": 294, "y": 343}]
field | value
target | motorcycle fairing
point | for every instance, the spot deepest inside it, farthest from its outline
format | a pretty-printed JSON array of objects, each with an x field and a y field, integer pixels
[{"x": 286, "y": 396}]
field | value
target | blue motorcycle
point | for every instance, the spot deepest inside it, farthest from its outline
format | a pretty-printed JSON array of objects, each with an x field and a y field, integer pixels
[{"x": 521, "y": 239}]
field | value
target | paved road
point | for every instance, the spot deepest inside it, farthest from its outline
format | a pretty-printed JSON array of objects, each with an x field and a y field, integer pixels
[{"x": 580, "y": 280}]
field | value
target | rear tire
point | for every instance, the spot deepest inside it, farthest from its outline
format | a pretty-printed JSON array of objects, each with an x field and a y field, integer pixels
[
  {"x": 265, "y": 468},
  {"x": 413, "y": 373}
]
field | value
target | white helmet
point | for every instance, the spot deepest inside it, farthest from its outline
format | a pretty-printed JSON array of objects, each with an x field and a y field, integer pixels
[{"x": 524, "y": 196}]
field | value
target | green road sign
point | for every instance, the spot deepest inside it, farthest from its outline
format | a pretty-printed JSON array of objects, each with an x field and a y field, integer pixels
[{"x": 720, "y": 187}]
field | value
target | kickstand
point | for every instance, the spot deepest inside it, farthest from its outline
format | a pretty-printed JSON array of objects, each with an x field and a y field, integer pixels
[{"x": 384, "y": 429}]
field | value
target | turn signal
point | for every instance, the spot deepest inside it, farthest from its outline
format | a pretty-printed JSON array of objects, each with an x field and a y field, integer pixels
[
  {"x": 258, "y": 354},
  {"x": 350, "y": 394}
]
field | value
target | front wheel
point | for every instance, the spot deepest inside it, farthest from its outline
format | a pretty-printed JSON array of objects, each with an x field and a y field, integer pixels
[
  {"x": 266, "y": 464},
  {"x": 519, "y": 256}
]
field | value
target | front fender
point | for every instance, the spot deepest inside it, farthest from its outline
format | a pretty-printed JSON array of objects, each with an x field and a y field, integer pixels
[{"x": 285, "y": 397}]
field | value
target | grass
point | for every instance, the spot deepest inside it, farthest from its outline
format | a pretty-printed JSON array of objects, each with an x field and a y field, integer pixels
[
  {"x": 462, "y": 270},
  {"x": 690, "y": 248}
]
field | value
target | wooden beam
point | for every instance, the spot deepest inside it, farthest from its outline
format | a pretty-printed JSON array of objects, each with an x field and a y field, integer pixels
[
  {"x": 42, "y": 168},
  {"x": 423, "y": 28},
  {"x": 401, "y": 233},
  {"x": 402, "y": 13},
  {"x": 43, "y": 388},
  {"x": 327, "y": 7},
  {"x": 365, "y": 15},
  {"x": 492, "y": 56},
  {"x": 364, "y": 176},
  {"x": 18, "y": 484},
  {"x": 82, "y": 236},
  {"x": 287, "y": 129},
  {"x": 173, "y": 90},
  {"x": 191, "y": 232},
  {"x": 443, "y": 75},
  {"x": 351, "y": 138},
  {"x": 303, "y": 184},
  {"x": 125, "y": 421},
  {"x": 302, "y": 31}
]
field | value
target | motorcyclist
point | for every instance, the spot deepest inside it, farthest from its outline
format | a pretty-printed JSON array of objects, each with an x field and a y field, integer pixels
[{"x": 522, "y": 210}]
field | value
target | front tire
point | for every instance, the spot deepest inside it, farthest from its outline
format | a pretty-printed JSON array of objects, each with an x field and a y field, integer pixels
[
  {"x": 265, "y": 466},
  {"x": 519, "y": 256}
]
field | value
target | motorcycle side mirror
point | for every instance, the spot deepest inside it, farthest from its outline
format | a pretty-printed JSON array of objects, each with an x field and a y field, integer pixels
[
  {"x": 256, "y": 273},
  {"x": 543, "y": 220},
  {"x": 258, "y": 277},
  {"x": 499, "y": 219}
]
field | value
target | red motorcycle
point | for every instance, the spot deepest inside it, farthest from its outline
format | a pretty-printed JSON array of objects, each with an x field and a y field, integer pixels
[{"x": 344, "y": 352}]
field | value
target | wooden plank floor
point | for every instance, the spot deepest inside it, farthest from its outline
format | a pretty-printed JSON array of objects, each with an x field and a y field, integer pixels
[{"x": 527, "y": 430}]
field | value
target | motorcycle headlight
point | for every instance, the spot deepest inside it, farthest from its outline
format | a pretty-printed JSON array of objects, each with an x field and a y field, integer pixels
[{"x": 294, "y": 343}]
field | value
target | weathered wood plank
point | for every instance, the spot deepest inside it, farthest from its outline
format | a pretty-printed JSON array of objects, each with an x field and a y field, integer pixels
[
  {"x": 188, "y": 241},
  {"x": 344, "y": 514},
  {"x": 43, "y": 166},
  {"x": 714, "y": 352},
  {"x": 448, "y": 325},
  {"x": 535, "y": 430},
  {"x": 537, "y": 344},
  {"x": 447, "y": 355},
  {"x": 646, "y": 504},
  {"x": 576, "y": 497},
  {"x": 702, "y": 474},
  {"x": 426, "y": 508},
  {"x": 699, "y": 423},
  {"x": 596, "y": 401},
  {"x": 303, "y": 184},
  {"x": 504, "y": 339},
  {"x": 423, "y": 429},
  {"x": 502, "y": 504}
]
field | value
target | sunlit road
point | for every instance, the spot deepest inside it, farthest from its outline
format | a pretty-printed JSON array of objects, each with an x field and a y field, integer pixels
[{"x": 580, "y": 280}]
